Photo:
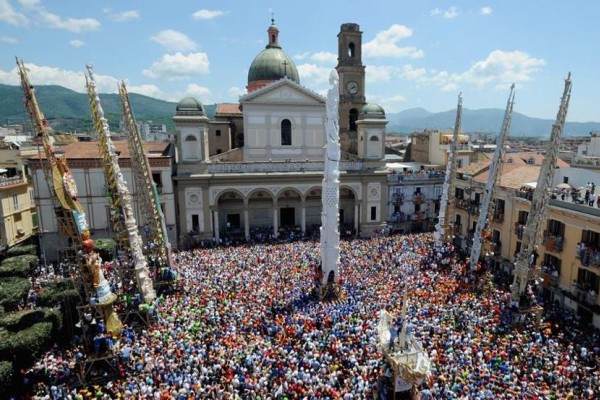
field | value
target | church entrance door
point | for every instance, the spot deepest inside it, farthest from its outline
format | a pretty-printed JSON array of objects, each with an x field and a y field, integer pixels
[{"x": 287, "y": 216}]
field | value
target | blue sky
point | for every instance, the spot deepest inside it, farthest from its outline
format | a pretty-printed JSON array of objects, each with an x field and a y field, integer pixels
[{"x": 417, "y": 53}]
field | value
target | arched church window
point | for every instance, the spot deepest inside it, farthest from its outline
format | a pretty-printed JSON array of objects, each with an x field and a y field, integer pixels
[
  {"x": 352, "y": 117},
  {"x": 286, "y": 132},
  {"x": 374, "y": 139},
  {"x": 351, "y": 50},
  {"x": 190, "y": 138}
]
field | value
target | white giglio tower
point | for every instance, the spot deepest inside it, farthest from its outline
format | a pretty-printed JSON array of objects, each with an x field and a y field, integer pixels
[{"x": 330, "y": 234}]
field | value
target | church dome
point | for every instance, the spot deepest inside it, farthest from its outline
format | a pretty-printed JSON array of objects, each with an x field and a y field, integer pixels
[
  {"x": 272, "y": 63},
  {"x": 371, "y": 111},
  {"x": 189, "y": 106}
]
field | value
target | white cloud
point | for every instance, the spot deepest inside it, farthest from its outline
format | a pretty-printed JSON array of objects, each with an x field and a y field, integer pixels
[
  {"x": 302, "y": 56},
  {"x": 125, "y": 16},
  {"x": 178, "y": 66},
  {"x": 324, "y": 57},
  {"x": 9, "y": 39},
  {"x": 390, "y": 104},
  {"x": 380, "y": 73},
  {"x": 44, "y": 75},
  {"x": 435, "y": 11},
  {"x": 207, "y": 14},
  {"x": 75, "y": 80},
  {"x": 51, "y": 20},
  {"x": 486, "y": 10},
  {"x": 10, "y": 16},
  {"x": 395, "y": 99},
  {"x": 146, "y": 90},
  {"x": 413, "y": 74},
  {"x": 312, "y": 75},
  {"x": 174, "y": 40},
  {"x": 199, "y": 92},
  {"x": 236, "y": 92},
  {"x": 385, "y": 44},
  {"x": 505, "y": 66},
  {"x": 70, "y": 24},
  {"x": 77, "y": 43},
  {"x": 451, "y": 12},
  {"x": 497, "y": 70},
  {"x": 29, "y": 3}
]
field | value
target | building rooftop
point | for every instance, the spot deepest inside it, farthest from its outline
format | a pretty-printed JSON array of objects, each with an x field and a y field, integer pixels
[
  {"x": 514, "y": 176},
  {"x": 89, "y": 150},
  {"x": 226, "y": 109}
]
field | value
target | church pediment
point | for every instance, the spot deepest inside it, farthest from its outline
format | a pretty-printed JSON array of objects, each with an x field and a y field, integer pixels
[{"x": 283, "y": 91}]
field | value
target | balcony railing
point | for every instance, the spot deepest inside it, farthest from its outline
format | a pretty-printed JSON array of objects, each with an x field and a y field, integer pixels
[
  {"x": 519, "y": 229},
  {"x": 470, "y": 205},
  {"x": 291, "y": 166},
  {"x": 553, "y": 243},
  {"x": 498, "y": 217},
  {"x": 15, "y": 180},
  {"x": 550, "y": 280},
  {"x": 416, "y": 176},
  {"x": 397, "y": 199},
  {"x": 584, "y": 293},
  {"x": 525, "y": 194},
  {"x": 588, "y": 257}
]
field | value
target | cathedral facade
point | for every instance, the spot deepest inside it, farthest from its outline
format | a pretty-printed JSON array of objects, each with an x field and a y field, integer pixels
[{"x": 257, "y": 166}]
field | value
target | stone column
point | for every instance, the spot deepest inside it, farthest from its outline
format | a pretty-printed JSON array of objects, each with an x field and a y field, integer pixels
[
  {"x": 303, "y": 217},
  {"x": 275, "y": 220},
  {"x": 246, "y": 223},
  {"x": 356, "y": 214},
  {"x": 216, "y": 224}
]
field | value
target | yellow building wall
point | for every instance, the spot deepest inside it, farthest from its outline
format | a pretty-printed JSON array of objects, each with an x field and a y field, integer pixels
[
  {"x": 17, "y": 219},
  {"x": 575, "y": 223}
]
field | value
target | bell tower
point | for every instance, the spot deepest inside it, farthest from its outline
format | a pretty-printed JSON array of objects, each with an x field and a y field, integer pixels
[{"x": 352, "y": 84}]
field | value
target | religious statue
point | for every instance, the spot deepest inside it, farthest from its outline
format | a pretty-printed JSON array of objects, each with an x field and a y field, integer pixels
[
  {"x": 69, "y": 184},
  {"x": 94, "y": 265},
  {"x": 332, "y": 128}
]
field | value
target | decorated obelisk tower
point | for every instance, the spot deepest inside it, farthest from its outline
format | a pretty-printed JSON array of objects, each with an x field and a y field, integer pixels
[{"x": 330, "y": 234}]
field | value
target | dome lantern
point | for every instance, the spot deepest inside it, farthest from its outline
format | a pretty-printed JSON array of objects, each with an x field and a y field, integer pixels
[{"x": 271, "y": 64}]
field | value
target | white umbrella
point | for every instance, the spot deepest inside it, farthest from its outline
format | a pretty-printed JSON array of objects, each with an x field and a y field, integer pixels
[{"x": 563, "y": 186}]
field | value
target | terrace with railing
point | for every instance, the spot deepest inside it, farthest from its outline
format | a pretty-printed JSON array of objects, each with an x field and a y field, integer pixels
[
  {"x": 14, "y": 180},
  {"x": 553, "y": 242},
  {"x": 589, "y": 257},
  {"x": 416, "y": 176},
  {"x": 519, "y": 229},
  {"x": 472, "y": 206},
  {"x": 279, "y": 166}
]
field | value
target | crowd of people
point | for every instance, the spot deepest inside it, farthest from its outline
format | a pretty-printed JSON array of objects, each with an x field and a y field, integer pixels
[{"x": 242, "y": 323}]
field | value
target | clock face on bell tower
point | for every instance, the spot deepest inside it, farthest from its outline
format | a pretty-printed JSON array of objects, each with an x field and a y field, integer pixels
[{"x": 352, "y": 87}]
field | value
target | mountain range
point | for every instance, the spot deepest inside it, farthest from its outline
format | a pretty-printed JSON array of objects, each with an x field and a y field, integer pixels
[
  {"x": 484, "y": 120},
  {"x": 67, "y": 110}
]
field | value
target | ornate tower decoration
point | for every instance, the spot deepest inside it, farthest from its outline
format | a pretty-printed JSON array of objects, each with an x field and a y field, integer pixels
[
  {"x": 330, "y": 234},
  {"x": 351, "y": 73}
]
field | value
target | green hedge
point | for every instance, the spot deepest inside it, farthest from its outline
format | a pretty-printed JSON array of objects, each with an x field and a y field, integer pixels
[
  {"x": 15, "y": 268},
  {"x": 32, "y": 260},
  {"x": 13, "y": 292},
  {"x": 55, "y": 317},
  {"x": 53, "y": 294},
  {"x": 27, "y": 344},
  {"x": 21, "y": 319},
  {"x": 21, "y": 250},
  {"x": 6, "y": 375},
  {"x": 107, "y": 248}
]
